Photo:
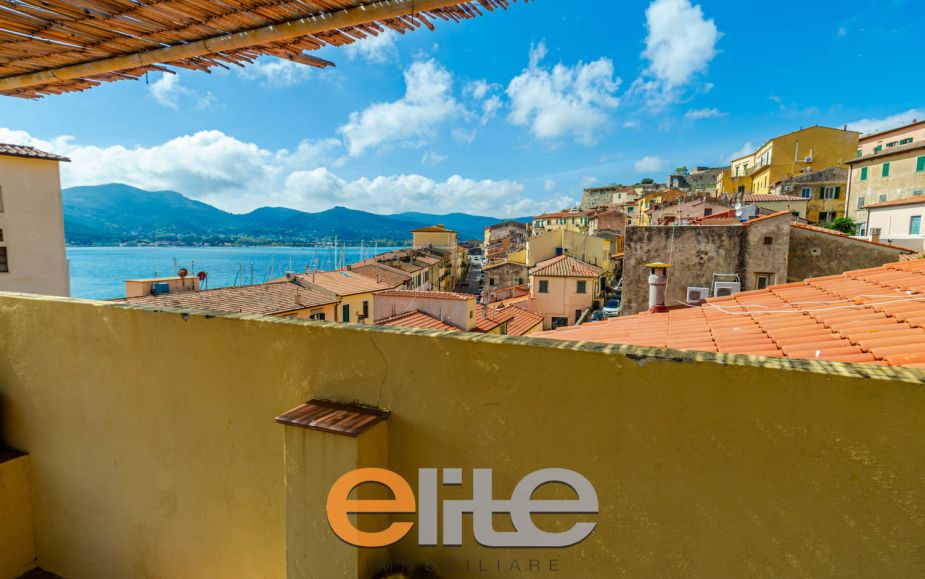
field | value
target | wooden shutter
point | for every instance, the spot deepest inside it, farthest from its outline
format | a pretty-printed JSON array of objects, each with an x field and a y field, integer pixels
[{"x": 837, "y": 192}]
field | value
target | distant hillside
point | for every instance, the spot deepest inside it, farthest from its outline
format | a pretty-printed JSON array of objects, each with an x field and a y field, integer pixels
[{"x": 116, "y": 213}]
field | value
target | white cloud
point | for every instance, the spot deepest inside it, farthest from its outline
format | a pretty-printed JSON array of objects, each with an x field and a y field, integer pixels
[
  {"x": 549, "y": 185},
  {"x": 168, "y": 91},
  {"x": 564, "y": 101},
  {"x": 464, "y": 136},
  {"x": 374, "y": 49},
  {"x": 700, "y": 114},
  {"x": 747, "y": 149},
  {"x": 413, "y": 119},
  {"x": 276, "y": 72},
  {"x": 240, "y": 176},
  {"x": 631, "y": 124},
  {"x": 865, "y": 126},
  {"x": 650, "y": 164},
  {"x": 588, "y": 181},
  {"x": 485, "y": 97},
  {"x": 680, "y": 44},
  {"x": 432, "y": 158}
]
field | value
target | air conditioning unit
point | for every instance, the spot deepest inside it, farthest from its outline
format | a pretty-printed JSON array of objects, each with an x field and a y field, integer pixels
[
  {"x": 809, "y": 159},
  {"x": 697, "y": 295},
  {"x": 726, "y": 288}
]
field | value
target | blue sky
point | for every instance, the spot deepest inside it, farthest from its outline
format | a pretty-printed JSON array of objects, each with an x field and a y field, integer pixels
[{"x": 508, "y": 114}]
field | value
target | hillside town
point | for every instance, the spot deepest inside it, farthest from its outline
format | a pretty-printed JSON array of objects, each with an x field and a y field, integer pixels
[
  {"x": 814, "y": 203},
  {"x": 624, "y": 371}
]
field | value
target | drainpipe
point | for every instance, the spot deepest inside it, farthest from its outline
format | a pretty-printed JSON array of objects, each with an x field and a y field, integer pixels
[{"x": 658, "y": 282}]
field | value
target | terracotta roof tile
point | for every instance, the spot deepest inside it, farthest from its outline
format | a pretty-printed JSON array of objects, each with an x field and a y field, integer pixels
[
  {"x": 29, "y": 153},
  {"x": 417, "y": 320},
  {"x": 907, "y": 201},
  {"x": 426, "y": 295},
  {"x": 266, "y": 299},
  {"x": 566, "y": 266},
  {"x": 383, "y": 274},
  {"x": 343, "y": 282},
  {"x": 768, "y": 197},
  {"x": 874, "y": 315}
]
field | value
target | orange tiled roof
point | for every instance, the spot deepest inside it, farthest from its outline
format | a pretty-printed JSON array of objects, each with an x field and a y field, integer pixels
[
  {"x": 566, "y": 266},
  {"x": 426, "y": 295},
  {"x": 382, "y": 273},
  {"x": 874, "y": 316},
  {"x": 520, "y": 321},
  {"x": 344, "y": 282},
  {"x": 29, "y": 153},
  {"x": 827, "y": 231},
  {"x": 432, "y": 229},
  {"x": 417, "y": 319},
  {"x": 267, "y": 299},
  {"x": 907, "y": 201},
  {"x": 770, "y": 197}
]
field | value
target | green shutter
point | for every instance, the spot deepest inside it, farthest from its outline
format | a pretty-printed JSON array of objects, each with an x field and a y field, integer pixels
[
  {"x": 346, "y": 313},
  {"x": 822, "y": 192},
  {"x": 863, "y": 173},
  {"x": 837, "y": 192},
  {"x": 886, "y": 170},
  {"x": 920, "y": 165}
]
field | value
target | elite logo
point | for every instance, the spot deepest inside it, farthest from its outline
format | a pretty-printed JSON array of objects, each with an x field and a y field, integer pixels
[{"x": 482, "y": 507}]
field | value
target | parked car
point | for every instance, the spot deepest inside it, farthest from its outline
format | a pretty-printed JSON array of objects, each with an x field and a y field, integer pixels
[
  {"x": 597, "y": 316},
  {"x": 612, "y": 309}
]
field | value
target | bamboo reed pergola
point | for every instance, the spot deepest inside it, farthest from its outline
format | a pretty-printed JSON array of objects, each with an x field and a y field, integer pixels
[{"x": 58, "y": 46}]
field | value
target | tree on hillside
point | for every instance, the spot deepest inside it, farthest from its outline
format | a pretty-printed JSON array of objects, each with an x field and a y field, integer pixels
[
  {"x": 681, "y": 171},
  {"x": 647, "y": 181},
  {"x": 842, "y": 224}
]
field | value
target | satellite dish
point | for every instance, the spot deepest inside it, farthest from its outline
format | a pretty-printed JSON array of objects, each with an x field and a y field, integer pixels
[{"x": 738, "y": 209}]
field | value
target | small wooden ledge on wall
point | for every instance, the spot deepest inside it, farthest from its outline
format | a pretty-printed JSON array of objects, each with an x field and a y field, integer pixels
[
  {"x": 325, "y": 440},
  {"x": 335, "y": 418}
]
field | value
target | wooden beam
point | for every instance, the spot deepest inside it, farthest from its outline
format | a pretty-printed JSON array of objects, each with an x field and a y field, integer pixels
[{"x": 379, "y": 10}]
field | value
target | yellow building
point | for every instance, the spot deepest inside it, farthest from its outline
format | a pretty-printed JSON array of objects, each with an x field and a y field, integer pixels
[
  {"x": 786, "y": 156},
  {"x": 354, "y": 293},
  {"x": 593, "y": 250},
  {"x": 647, "y": 203},
  {"x": 442, "y": 241},
  {"x": 572, "y": 220},
  {"x": 32, "y": 256}
]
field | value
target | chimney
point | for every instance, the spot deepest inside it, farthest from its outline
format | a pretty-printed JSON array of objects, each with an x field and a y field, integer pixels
[
  {"x": 875, "y": 235},
  {"x": 658, "y": 280}
]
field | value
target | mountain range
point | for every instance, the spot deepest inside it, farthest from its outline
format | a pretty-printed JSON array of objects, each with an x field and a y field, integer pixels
[{"x": 121, "y": 214}]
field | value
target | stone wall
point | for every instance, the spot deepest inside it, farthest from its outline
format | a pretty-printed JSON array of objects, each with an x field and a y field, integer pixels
[
  {"x": 814, "y": 253},
  {"x": 698, "y": 252}
]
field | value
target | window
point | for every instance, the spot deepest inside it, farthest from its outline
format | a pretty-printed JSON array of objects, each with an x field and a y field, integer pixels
[
  {"x": 860, "y": 203},
  {"x": 891, "y": 145},
  {"x": 763, "y": 280},
  {"x": 915, "y": 193},
  {"x": 365, "y": 309},
  {"x": 544, "y": 286},
  {"x": 1, "y": 235},
  {"x": 504, "y": 329},
  {"x": 559, "y": 323},
  {"x": 4, "y": 263},
  {"x": 920, "y": 165},
  {"x": 882, "y": 198},
  {"x": 491, "y": 281},
  {"x": 829, "y": 192},
  {"x": 708, "y": 212},
  {"x": 826, "y": 215},
  {"x": 1, "y": 199},
  {"x": 317, "y": 316},
  {"x": 878, "y": 148},
  {"x": 769, "y": 241},
  {"x": 582, "y": 287},
  {"x": 885, "y": 172},
  {"x": 863, "y": 173},
  {"x": 345, "y": 313},
  {"x": 915, "y": 225},
  {"x": 806, "y": 193},
  {"x": 859, "y": 152},
  {"x": 906, "y": 141}
]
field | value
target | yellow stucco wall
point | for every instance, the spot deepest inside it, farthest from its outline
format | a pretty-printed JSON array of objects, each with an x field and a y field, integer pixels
[
  {"x": 17, "y": 534},
  {"x": 742, "y": 468}
]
